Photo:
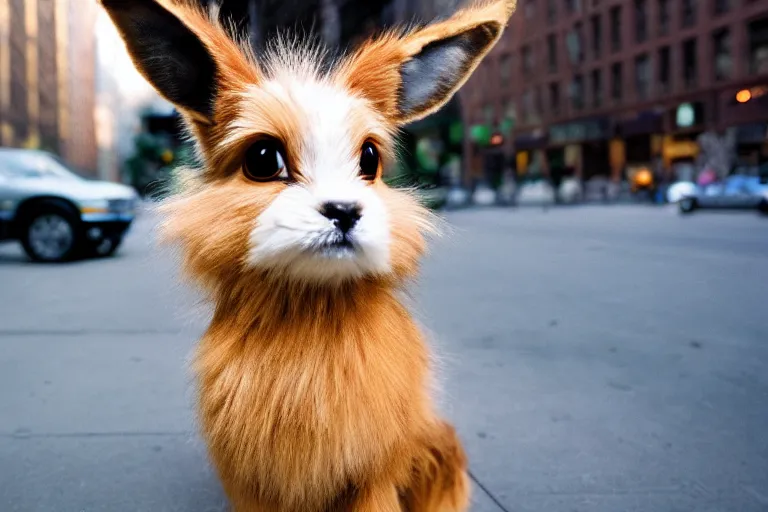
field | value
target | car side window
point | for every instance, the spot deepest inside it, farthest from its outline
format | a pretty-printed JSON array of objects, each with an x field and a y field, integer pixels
[
  {"x": 31, "y": 165},
  {"x": 20, "y": 166}
]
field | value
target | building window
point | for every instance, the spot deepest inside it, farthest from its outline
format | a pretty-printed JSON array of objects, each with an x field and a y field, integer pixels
[
  {"x": 572, "y": 6},
  {"x": 721, "y": 42},
  {"x": 597, "y": 35},
  {"x": 505, "y": 69},
  {"x": 758, "y": 46},
  {"x": 475, "y": 90},
  {"x": 488, "y": 114},
  {"x": 664, "y": 63},
  {"x": 528, "y": 62},
  {"x": 574, "y": 42},
  {"x": 689, "y": 13},
  {"x": 530, "y": 9},
  {"x": 641, "y": 21},
  {"x": 510, "y": 111},
  {"x": 552, "y": 52},
  {"x": 597, "y": 88},
  {"x": 722, "y": 6},
  {"x": 551, "y": 11},
  {"x": 689, "y": 63},
  {"x": 616, "y": 28},
  {"x": 538, "y": 105},
  {"x": 577, "y": 92},
  {"x": 554, "y": 98},
  {"x": 663, "y": 17},
  {"x": 616, "y": 79},
  {"x": 642, "y": 76},
  {"x": 528, "y": 114}
]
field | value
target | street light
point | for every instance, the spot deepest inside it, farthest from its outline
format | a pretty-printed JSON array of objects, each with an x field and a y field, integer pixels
[{"x": 743, "y": 95}]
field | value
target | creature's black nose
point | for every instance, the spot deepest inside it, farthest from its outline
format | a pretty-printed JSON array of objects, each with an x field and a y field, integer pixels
[{"x": 343, "y": 215}]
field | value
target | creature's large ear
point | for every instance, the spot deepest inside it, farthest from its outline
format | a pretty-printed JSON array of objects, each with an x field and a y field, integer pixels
[
  {"x": 168, "y": 53},
  {"x": 412, "y": 75}
]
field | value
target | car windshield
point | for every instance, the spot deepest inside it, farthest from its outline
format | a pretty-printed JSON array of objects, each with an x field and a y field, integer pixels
[
  {"x": 744, "y": 170},
  {"x": 20, "y": 164}
]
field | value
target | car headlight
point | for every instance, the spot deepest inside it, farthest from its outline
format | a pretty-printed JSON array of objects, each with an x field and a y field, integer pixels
[
  {"x": 122, "y": 205},
  {"x": 94, "y": 206}
]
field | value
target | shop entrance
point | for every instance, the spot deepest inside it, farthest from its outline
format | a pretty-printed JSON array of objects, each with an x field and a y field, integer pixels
[
  {"x": 596, "y": 160},
  {"x": 638, "y": 149}
]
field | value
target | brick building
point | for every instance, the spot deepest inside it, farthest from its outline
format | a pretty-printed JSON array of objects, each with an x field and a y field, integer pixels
[
  {"x": 47, "y": 85},
  {"x": 594, "y": 87}
]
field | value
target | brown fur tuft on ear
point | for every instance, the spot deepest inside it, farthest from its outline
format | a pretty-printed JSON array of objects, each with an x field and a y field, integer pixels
[{"x": 409, "y": 75}]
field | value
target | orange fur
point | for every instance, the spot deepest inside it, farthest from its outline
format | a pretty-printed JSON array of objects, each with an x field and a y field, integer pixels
[
  {"x": 313, "y": 397},
  {"x": 374, "y": 69}
]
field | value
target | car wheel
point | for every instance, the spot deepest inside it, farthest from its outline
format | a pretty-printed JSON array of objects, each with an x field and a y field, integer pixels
[
  {"x": 763, "y": 207},
  {"x": 687, "y": 205},
  {"x": 107, "y": 247},
  {"x": 51, "y": 233}
]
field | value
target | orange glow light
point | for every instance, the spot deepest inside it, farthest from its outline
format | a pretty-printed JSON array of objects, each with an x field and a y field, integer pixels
[
  {"x": 743, "y": 96},
  {"x": 496, "y": 140}
]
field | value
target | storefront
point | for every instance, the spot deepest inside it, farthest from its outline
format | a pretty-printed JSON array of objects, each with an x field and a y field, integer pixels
[
  {"x": 640, "y": 135},
  {"x": 580, "y": 148},
  {"x": 636, "y": 151},
  {"x": 496, "y": 161},
  {"x": 746, "y": 109},
  {"x": 530, "y": 156},
  {"x": 677, "y": 153},
  {"x": 752, "y": 143},
  {"x": 432, "y": 148}
]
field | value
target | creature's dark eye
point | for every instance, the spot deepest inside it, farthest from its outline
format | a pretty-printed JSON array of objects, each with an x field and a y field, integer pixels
[
  {"x": 264, "y": 161},
  {"x": 369, "y": 161}
]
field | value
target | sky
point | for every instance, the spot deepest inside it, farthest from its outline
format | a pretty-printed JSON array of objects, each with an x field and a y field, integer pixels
[
  {"x": 121, "y": 94},
  {"x": 113, "y": 60}
]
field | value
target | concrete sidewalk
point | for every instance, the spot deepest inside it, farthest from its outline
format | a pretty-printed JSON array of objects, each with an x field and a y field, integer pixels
[{"x": 608, "y": 361}]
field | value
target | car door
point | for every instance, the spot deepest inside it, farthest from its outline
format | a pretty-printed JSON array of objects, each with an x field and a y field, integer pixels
[
  {"x": 739, "y": 192},
  {"x": 755, "y": 192},
  {"x": 711, "y": 196}
]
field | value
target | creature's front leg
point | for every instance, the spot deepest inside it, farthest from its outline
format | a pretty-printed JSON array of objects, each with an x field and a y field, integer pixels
[
  {"x": 244, "y": 503},
  {"x": 378, "y": 497},
  {"x": 243, "y": 499},
  {"x": 440, "y": 482}
]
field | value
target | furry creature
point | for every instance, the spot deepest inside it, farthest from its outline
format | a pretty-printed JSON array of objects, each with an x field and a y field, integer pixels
[{"x": 313, "y": 377}]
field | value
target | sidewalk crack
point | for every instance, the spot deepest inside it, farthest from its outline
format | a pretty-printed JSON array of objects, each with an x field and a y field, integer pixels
[{"x": 487, "y": 491}]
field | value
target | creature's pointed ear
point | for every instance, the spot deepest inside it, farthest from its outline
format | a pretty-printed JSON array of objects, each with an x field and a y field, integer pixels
[
  {"x": 168, "y": 53},
  {"x": 410, "y": 76}
]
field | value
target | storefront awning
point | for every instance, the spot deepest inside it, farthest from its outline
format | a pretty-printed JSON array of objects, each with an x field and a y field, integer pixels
[
  {"x": 645, "y": 123},
  {"x": 583, "y": 130},
  {"x": 531, "y": 141},
  {"x": 754, "y": 133}
]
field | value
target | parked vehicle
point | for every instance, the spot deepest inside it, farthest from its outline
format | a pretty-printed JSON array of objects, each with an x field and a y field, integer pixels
[
  {"x": 56, "y": 214},
  {"x": 745, "y": 188}
]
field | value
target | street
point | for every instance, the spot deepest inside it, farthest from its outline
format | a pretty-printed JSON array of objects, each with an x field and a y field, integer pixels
[{"x": 597, "y": 358}]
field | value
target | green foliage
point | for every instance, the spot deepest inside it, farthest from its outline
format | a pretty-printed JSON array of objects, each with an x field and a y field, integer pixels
[
  {"x": 423, "y": 183},
  {"x": 456, "y": 133},
  {"x": 480, "y": 134},
  {"x": 150, "y": 168}
]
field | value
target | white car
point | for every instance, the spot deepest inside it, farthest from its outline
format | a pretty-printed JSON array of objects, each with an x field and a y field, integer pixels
[
  {"x": 56, "y": 214},
  {"x": 746, "y": 188}
]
